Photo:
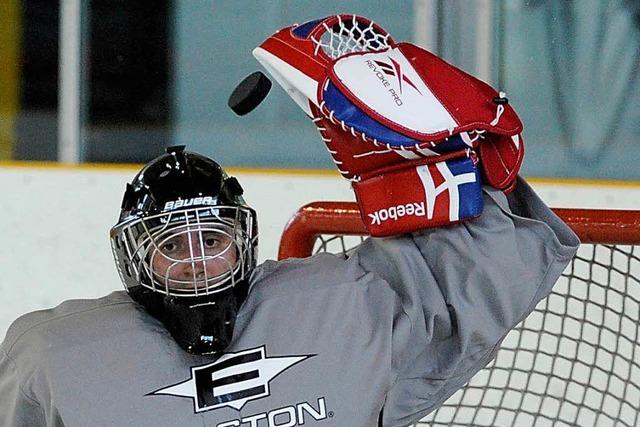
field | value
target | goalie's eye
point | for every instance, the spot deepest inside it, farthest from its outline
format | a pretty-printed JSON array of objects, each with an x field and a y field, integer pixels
[
  {"x": 216, "y": 242},
  {"x": 170, "y": 247},
  {"x": 210, "y": 241}
]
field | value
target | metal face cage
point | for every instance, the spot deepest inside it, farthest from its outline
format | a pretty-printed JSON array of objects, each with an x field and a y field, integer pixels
[{"x": 188, "y": 252}]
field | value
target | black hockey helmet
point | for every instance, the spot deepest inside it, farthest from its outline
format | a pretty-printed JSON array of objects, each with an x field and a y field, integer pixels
[{"x": 185, "y": 244}]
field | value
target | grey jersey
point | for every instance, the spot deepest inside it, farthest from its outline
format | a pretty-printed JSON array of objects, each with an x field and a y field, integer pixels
[{"x": 394, "y": 330}]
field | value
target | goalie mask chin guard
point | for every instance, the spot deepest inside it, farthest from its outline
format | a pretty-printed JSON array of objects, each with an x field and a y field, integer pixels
[{"x": 185, "y": 245}]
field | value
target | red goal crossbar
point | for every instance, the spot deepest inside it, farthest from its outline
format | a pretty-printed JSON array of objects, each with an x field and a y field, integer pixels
[{"x": 343, "y": 218}]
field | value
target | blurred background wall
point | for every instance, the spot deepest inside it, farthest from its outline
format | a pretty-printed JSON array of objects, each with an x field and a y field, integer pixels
[{"x": 117, "y": 80}]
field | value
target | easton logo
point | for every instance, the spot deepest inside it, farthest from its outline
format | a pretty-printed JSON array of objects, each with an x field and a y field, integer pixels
[
  {"x": 232, "y": 380},
  {"x": 394, "y": 69},
  {"x": 287, "y": 416}
]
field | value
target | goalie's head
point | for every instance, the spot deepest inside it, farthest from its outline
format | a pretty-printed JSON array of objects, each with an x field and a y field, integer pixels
[{"x": 185, "y": 244}]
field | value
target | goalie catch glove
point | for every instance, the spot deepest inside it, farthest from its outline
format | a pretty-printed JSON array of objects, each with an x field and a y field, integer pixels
[{"x": 413, "y": 133}]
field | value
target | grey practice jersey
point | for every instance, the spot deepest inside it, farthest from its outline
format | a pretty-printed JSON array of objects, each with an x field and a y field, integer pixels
[{"x": 387, "y": 334}]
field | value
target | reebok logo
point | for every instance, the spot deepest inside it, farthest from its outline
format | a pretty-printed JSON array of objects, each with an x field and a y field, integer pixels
[
  {"x": 393, "y": 68},
  {"x": 232, "y": 380},
  {"x": 396, "y": 212}
]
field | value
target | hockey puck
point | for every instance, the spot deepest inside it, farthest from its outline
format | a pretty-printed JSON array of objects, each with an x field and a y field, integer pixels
[{"x": 249, "y": 93}]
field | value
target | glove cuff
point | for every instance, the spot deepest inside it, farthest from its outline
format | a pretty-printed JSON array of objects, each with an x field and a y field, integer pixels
[{"x": 430, "y": 194}]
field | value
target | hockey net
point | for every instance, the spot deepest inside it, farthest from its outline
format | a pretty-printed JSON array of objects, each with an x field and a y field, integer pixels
[{"x": 575, "y": 361}]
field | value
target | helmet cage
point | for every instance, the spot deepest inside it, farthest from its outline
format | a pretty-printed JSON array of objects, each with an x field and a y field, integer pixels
[{"x": 140, "y": 246}]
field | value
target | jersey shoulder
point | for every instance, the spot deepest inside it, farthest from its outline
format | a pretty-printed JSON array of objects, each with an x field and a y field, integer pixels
[
  {"x": 274, "y": 279},
  {"x": 48, "y": 328}
]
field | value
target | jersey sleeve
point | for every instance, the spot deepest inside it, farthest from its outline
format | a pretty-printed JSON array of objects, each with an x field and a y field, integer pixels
[
  {"x": 25, "y": 398},
  {"x": 16, "y": 407},
  {"x": 462, "y": 288}
]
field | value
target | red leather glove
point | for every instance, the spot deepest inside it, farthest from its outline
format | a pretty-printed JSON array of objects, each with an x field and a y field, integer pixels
[{"x": 405, "y": 126}]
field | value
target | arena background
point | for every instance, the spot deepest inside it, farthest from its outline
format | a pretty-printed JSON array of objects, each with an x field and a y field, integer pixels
[{"x": 88, "y": 88}]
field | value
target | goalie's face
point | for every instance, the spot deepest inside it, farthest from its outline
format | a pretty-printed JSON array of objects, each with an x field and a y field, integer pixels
[
  {"x": 185, "y": 245},
  {"x": 193, "y": 260}
]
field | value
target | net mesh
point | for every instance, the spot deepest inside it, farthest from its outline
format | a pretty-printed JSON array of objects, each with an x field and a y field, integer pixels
[
  {"x": 351, "y": 34},
  {"x": 575, "y": 361}
]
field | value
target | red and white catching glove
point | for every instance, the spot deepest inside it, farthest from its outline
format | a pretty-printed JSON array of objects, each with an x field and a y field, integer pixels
[{"x": 409, "y": 129}]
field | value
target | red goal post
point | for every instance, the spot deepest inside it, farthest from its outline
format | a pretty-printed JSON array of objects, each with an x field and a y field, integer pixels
[
  {"x": 343, "y": 218},
  {"x": 574, "y": 361}
]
